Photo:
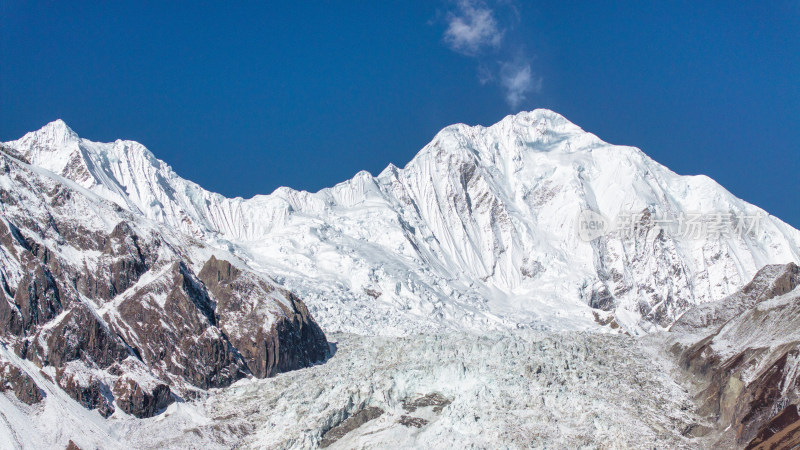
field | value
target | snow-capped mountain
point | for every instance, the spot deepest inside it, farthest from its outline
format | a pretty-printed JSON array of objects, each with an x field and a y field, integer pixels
[
  {"x": 123, "y": 314},
  {"x": 481, "y": 230},
  {"x": 127, "y": 292}
]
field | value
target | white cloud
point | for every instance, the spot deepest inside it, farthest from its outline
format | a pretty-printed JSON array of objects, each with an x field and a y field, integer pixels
[
  {"x": 472, "y": 28},
  {"x": 518, "y": 81}
]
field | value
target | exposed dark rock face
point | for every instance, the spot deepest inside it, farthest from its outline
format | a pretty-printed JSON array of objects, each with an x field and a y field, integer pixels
[
  {"x": 782, "y": 431},
  {"x": 284, "y": 339},
  {"x": 141, "y": 402},
  {"x": 410, "y": 421},
  {"x": 91, "y": 394},
  {"x": 20, "y": 383},
  {"x": 191, "y": 346},
  {"x": 372, "y": 293},
  {"x": 77, "y": 335},
  {"x": 111, "y": 303},
  {"x": 36, "y": 298},
  {"x": 435, "y": 399},
  {"x": 602, "y": 299},
  {"x": 295, "y": 340},
  {"x": 747, "y": 348},
  {"x": 355, "y": 420}
]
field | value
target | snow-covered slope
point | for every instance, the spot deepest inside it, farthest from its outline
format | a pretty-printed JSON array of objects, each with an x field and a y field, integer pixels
[{"x": 478, "y": 231}]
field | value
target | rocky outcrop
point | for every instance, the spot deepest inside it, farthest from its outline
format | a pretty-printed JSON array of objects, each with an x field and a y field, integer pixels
[
  {"x": 294, "y": 341},
  {"x": 782, "y": 431},
  {"x": 78, "y": 334},
  {"x": 141, "y": 401},
  {"x": 91, "y": 393},
  {"x": 36, "y": 297},
  {"x": 172, "y": 324},
  {"x": 746, "y": 349},
  {"x": 284, "y": 338},
  {"x": 21, "y": 384},
  {"x": 411, "y": 421},
  {"x": 434, "y": 399},
  {"x": 352, "y": 422}
]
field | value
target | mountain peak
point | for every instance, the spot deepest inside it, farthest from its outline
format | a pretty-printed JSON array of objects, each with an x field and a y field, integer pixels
[
  {"x": 59, "y": 124},
  {"x": 50, "y": 147},
  {"x": 537, "y": 114},
  {"x": 542, "y": 120},
  {"x": 56, "y": 131}
]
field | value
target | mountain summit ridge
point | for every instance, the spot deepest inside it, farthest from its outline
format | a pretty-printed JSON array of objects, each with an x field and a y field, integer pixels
[{"x": 476, "y": 231}]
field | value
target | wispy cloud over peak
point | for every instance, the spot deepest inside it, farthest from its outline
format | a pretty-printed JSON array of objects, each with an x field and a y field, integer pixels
[
  {"x": 518, "y": 81},
  {"x": 485, "y": 30},
  {"x": 472, "y": 28}
]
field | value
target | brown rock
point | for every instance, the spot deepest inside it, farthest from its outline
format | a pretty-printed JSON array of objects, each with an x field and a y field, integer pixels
[
  {"x": 750, "y": 385},
  {"x": 410, "y": 421},
  {"x": 170, "y": 328},
  {"x": 79, "y": 335},
  {"x": 141, "y": 402},
  {"x": 181, "y": 338},
  {"x": 37, "y": 297},
  {"x": 20, "y": 383},
  {"x": 355, "y": 420},
  {"x": 92, "y": 395},
  {"x": 294, "y": 339},
  {"x": 782, "y": 431},
  {"x": 435, "y": 399}
]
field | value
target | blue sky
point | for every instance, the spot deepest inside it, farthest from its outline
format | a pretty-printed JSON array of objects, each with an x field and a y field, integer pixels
[{"x": 245, "y": 98}]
